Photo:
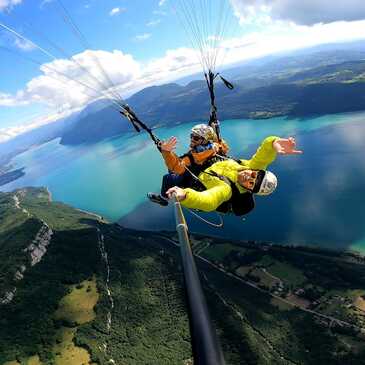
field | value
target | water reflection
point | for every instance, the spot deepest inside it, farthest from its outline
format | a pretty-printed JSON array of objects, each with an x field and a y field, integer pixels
[{"x": 124, "y": 150}]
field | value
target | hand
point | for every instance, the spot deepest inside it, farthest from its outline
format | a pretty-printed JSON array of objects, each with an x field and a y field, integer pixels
[
  {"x": 286, "y": 146},
  {"x": 169, "y": 145},
  {"x": 178, "y": 192}
]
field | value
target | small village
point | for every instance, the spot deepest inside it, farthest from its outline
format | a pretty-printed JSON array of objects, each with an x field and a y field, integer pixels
[{"x": 257, "y": 264}]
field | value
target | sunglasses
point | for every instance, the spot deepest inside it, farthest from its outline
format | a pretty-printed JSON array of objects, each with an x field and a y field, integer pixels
[
  {"x": 195, "y": 137},
  {"x": 254, "y": 174},
  {"x": 253, "y": 177}
]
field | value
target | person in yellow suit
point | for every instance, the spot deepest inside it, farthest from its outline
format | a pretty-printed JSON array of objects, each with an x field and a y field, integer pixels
[{"x": 231, "y": 184}]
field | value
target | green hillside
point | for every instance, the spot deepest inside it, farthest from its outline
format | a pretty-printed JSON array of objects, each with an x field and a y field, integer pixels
[{"x": 55, "y": 260}]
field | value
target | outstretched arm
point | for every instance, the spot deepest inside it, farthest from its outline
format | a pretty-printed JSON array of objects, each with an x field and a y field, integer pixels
[
  {"x": 270, "y": 148},
  {"x": 207, "y": 201}
]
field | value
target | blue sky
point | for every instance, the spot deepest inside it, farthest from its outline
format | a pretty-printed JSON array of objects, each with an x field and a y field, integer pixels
[
  {"x": 140, "y": 43},
  {"x": 141, "y": 28},
  {"x": 101, "y": 29}
]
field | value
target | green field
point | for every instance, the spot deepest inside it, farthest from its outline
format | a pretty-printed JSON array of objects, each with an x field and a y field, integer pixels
[
  {"x": 287, "y": 272},
  {"x": 218, "y": 252},
  {"x": 78, "y": 305}
]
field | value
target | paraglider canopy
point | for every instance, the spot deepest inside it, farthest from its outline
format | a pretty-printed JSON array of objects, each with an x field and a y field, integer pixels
[{"x": 207, "y": 24}]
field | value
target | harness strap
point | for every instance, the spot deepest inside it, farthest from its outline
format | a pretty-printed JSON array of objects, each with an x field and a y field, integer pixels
[
  {"x": 227, "y": 83},
  {"x": 138, "y": 124},
  {"x": 213, "y": 118},
  {"x": 239, "y": 204}
]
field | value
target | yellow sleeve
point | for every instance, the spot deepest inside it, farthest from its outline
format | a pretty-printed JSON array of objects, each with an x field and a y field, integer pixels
[
  {"x": 264, "y": 155},
  {"x": 208, "y": 200}
]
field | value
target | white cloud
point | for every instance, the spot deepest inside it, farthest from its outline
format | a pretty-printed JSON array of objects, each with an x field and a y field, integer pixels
[
  {"x": 173, "y": 64},
  {"x": 306, "y": 12},
  {"x": 66, "y": 83},
  {"x": 142, "y": 37},
  {"x": 8, "y": 4},
  {"x": 161, "y": 2},
  {"x": 280, "y": 37},
  {"x": 11, "y": 100},
  {"x": 153, "y": 23},
  {"x": 116, "y": 11}
]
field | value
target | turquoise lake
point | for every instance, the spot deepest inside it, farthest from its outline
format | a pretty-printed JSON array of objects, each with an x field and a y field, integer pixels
[{"x": 320, "y": 199}]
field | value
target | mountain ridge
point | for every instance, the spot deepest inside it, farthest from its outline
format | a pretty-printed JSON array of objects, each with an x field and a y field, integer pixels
[{"x": 285, "y": 87}]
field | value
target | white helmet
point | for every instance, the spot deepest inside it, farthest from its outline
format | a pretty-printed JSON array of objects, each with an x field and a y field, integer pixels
[
  {"x": 204, "y": 131},
  {"x": 268, "y": 184}
]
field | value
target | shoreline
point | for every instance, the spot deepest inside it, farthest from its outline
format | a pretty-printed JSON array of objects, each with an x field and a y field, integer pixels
[
  {"x": 10, "y": 176},
  {"x": 317, "y": 249}
]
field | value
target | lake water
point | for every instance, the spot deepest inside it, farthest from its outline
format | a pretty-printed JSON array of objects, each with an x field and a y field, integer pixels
[{"x": 319, "y": 201}]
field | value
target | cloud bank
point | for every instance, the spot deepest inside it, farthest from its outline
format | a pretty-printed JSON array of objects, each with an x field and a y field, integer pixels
[
  {"x": 72, "y": 82},
  {"x": 308, "y": 12}
]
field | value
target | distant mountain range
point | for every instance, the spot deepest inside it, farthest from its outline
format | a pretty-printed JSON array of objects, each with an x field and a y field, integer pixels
[
  {"x": 315, "y": 81},
  {"x": 322, "y": 80},
  {"x": 39, "y": 135}
]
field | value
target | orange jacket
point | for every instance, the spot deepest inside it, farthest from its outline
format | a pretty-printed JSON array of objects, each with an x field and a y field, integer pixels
[{"x": 177, "y": 164}]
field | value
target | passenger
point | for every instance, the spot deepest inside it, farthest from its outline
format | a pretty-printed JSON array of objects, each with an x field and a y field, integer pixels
[{"x": 230, "y": 185}]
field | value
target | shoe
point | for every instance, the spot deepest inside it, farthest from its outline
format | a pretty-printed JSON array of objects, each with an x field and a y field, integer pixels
[{"x": 157, "y": 198}]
